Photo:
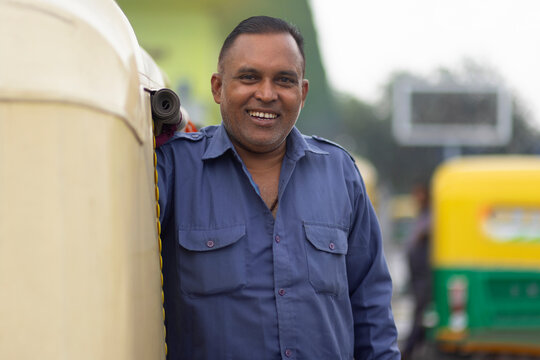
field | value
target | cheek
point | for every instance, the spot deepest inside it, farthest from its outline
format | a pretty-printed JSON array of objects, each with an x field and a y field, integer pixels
[
  {"x": 237, "y": 96},
  {"x": 229, "y": 109},
  {"x": 293, "y": 100}
]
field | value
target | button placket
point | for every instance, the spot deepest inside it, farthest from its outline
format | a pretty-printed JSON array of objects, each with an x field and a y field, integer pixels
[{"x": 282, "y": 268}]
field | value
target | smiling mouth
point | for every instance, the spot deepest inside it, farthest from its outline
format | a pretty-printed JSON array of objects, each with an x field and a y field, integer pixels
[{"x": 262, "y": 115}]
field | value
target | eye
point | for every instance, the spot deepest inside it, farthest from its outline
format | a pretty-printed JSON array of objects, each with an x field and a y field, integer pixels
[
  {"x": 286, "y": 80},
  {"x": 247, "y": 77}
]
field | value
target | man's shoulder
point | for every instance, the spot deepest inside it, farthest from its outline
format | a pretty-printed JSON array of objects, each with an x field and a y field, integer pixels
[
  {"x": 320, "y": 139},
  {"x": 191, "y": 137},
  {"x": 328, "y": 146}
]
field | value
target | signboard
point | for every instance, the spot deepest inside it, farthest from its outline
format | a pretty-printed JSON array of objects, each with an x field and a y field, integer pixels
[
  {"x": 512, "y": 224},
  {"x": 450, "y": 114}
]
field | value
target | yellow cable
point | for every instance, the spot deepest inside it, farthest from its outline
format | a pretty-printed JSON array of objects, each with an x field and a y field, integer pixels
[{"x": 158, "y": 228}]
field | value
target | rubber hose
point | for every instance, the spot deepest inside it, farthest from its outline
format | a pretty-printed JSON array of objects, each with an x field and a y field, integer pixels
[{"x": 166, "y": 106}]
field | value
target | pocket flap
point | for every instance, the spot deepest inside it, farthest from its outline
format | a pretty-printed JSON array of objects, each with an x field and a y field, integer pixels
[
  {"x": 327, "y": 238},
  {"x": 208, "y": 240}
]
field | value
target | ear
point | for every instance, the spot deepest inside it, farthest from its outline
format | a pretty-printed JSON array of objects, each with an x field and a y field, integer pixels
[
  {"x": 216, "y": 82},
  {"x": 305, "y": 89}
]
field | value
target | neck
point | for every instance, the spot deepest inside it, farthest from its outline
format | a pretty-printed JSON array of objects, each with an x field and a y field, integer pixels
[
  {"x": 262, "y": 162},
  {"x": 265, "y": 169}
]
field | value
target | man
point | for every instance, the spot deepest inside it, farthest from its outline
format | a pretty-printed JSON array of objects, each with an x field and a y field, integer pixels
[
  {"x": 271, "y": 246},
  {"x": 418, "y": 244}
]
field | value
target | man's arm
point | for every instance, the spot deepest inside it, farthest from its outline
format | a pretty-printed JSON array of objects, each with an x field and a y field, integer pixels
[
  {"x": 370, "y": 285},
  {"x": 164, "y": 168}
]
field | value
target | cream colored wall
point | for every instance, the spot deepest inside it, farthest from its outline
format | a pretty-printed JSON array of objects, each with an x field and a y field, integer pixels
[{"x": 79, "y": 256}]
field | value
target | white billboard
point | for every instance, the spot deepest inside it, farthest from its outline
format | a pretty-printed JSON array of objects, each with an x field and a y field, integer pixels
[{"x": 451, "y": 114}]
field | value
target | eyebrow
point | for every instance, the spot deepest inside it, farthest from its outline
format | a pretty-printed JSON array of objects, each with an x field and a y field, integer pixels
[{"x": 247, "y": 69}]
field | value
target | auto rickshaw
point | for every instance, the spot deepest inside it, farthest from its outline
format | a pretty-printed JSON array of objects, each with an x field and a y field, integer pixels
[
  {"x": 79, "y": 248},
  {"x": 486, "y": 254}
]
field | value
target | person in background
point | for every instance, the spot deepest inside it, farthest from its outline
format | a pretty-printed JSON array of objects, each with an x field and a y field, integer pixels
[
  {"x": 418, "y": 244},
  {"x": 271, "y": 246}
]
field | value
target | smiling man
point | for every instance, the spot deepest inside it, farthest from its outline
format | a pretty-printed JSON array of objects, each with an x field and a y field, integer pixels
[{"x": 271, "y": 246}]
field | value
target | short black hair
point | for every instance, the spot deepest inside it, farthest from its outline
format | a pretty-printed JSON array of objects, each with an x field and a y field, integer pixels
[{"x": 263, "y": 25}]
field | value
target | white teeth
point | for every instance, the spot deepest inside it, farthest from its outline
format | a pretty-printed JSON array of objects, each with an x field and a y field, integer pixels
[{"x": 262, "y": 115}]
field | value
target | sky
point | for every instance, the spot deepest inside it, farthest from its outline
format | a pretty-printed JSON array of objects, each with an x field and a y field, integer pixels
[{"x": 364, "y": 41}]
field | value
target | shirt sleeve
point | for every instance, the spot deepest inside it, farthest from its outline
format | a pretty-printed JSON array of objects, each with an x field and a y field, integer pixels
[
  {"x": 164, "y": 169},
  {"x": 370, "y": 285}
]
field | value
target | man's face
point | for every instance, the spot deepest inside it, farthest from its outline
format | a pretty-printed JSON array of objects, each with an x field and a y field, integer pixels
[{"x": 260, "y": 89}]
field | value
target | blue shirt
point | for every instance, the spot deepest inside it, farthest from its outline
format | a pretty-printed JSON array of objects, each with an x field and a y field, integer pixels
[{"x": 310, "y": 284}]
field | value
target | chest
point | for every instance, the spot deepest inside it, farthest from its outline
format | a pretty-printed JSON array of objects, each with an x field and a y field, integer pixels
[
  {"x": 224, "y": 227},
  {"x": 222, "y": 193}
]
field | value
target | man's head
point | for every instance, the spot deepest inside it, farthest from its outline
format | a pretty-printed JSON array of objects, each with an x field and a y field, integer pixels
[
  {"x": 420, "y": 193},
  {"x": 260, "y": 83}
]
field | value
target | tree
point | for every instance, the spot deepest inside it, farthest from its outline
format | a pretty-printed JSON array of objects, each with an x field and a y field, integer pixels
[{"x": 368, "y": 129}]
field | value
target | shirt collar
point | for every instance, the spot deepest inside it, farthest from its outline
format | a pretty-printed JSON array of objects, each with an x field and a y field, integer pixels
[
  {"x": 219, "y": 143},
  {"x": 297, "y": 146}
]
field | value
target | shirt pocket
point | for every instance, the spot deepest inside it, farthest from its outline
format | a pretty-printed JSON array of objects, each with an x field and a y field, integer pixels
[
  {"x": 211, "y": 261},
  {"x": 326, "y": 247}
]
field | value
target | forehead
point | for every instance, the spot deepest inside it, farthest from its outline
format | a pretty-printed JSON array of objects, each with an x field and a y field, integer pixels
[{"x": 274, "y": 51}]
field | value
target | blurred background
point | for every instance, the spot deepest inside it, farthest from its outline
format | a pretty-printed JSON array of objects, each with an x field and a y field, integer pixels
[
  {"x": 355, "y": 54},
  {"x": 405, "y": 86}
]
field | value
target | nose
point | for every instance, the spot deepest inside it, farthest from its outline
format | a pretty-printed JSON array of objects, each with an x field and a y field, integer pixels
[{"x": 266, "y": 91}]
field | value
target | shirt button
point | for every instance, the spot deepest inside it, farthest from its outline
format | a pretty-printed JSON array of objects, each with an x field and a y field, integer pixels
[
  {"x": 210, "y": 243},
  {"x": 277, "y": 239},
  {"x": 281, "y": 292},
  {"x": 332, "y": 246},
  {"x": 288, "y": 353}
]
